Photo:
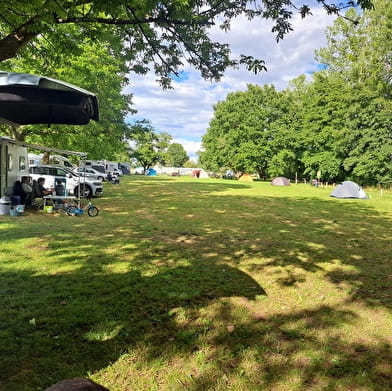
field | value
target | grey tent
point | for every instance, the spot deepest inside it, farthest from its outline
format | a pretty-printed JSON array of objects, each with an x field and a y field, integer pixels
[
  {"x": 30, "y": 99},
  {"x": 348, "y": 189},
  {"x": 281, "y": 181}
]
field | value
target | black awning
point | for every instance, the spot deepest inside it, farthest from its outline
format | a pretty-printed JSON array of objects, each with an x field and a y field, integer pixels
[{"x": 30, "y": 99}]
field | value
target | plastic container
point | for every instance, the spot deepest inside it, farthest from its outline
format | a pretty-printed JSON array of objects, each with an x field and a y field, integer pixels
[
  {"x": 48, "y": 209},
  {"x": 20, "y": 208},
  {"x": 5, "y": 205},
  {"x": 14, "y": 212}
]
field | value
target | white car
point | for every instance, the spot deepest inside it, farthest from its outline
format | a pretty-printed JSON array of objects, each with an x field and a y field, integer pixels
[
  {"x": 89, "y": 173},
  {"x": 73, "y": 183}
]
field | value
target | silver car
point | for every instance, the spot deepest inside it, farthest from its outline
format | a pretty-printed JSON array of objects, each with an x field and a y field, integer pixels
[{"x": 89, "y": 173}]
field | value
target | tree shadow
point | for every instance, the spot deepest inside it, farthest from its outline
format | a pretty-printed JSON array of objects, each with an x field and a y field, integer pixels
[
  {"x": 84, "y": 321},
  {"x": 210, "y": 254},
  {"x": 297, "y": 346}
]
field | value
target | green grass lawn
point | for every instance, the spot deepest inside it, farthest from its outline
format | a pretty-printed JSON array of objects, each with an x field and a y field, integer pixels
[{"x": 186, "y": 284}]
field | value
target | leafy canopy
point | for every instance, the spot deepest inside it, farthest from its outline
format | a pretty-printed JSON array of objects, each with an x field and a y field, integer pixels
[
  {"x": 176, "y": 155},
  {"x": 162, "y": 33}
]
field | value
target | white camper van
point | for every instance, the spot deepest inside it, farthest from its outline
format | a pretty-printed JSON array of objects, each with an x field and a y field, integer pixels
[
  {"x": 57, "y": 160},
  {"x": 13, "y": 164}
]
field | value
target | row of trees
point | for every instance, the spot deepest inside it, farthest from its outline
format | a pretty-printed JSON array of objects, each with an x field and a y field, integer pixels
[{"x": 339, "y": 123}]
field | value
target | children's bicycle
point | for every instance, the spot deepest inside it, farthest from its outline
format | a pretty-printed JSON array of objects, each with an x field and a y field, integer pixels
[{"x": 75, "y": 210}]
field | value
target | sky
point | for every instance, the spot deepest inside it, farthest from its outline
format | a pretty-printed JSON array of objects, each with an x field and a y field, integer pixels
[{"x": 185, "y": 111}]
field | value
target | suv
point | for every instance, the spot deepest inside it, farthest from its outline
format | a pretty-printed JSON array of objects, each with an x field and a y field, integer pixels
[
  {"x": 73, "y": 183},
  {"x": 89, "y": 173}
]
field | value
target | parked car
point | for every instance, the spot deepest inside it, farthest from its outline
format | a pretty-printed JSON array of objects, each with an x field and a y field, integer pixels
[
  {"x": 72, "y": 182},
  {"x": 89, "y": 173},
  {"x": 117, "y": 171},
  {"x": 95, "y": 165}
]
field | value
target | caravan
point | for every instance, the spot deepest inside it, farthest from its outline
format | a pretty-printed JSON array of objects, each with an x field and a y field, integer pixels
[
  {"x": 57, "y": 160},
  {"x": 13, "y": 164},
  {"x": 96, "y": 165},
  {"x": 103, "y": 166}
]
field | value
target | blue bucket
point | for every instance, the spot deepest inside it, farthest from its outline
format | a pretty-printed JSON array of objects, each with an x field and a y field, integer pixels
[{"x": 15, "y": 212}]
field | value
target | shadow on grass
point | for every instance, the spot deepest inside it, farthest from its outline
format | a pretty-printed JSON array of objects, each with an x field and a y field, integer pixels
[
  {"x": 84, "y": 321},
  {"x": 184, "y": 255}
]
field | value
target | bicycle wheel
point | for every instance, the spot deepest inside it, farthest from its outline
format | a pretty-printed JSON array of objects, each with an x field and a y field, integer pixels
[
  {"x": 72, "y": 210},
  {"x": 92, "y": 211}
]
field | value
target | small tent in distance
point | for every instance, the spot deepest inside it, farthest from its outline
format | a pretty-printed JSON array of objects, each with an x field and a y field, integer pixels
[
  {"x": 280, "y": 181},
  {"x": 245, "y": 178},
  {"x": 348, "y": 189},
  {"x": 151, "y": 172}
]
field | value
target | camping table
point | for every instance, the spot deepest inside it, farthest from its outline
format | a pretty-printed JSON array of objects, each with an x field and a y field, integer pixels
[{"x": 56, "y": 197}]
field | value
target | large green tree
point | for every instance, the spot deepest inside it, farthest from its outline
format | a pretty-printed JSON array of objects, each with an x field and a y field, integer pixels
[
  {"x": 323, "y": 126},
  {"x": 338, "y": 124},
  {"x": 251, "y": 131},
  {"x": 146, "y": 146},
  {"x": 162, "y": 33},
  {"x": 176, "y": 155},
  {"x": 359, "y": 58},
  {"x": 362, "y": 52}
]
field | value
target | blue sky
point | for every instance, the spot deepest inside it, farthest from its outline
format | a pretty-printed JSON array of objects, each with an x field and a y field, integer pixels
[{"x": 185, "y": 111}]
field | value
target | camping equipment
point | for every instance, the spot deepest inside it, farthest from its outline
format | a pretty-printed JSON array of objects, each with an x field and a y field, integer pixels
[
  {"x": 280, "y": 181},
  {"x": 348, "y": 189},
  {"x": 5, "y": 205}
]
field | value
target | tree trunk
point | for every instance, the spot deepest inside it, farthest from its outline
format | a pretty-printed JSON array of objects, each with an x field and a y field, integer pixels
[{"x": 11, "y": 44}]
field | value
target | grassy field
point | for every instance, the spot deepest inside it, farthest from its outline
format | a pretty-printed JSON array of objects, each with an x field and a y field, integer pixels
[{"x": 186, "y": 284}]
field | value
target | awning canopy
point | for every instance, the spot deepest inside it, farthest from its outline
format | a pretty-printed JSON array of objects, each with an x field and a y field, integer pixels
[{"x": 30, "y": 99}]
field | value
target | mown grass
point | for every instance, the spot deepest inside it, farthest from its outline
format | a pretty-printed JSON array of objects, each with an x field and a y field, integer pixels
[{"x": 185, "y": 284}]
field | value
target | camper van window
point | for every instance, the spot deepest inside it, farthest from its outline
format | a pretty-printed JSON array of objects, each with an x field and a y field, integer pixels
[
  {"x": 10, "y": 162},
  {"x": 57, "y": 172},
  {"x": 39, "y": 170},
  {"x": 22, "y": 163}
]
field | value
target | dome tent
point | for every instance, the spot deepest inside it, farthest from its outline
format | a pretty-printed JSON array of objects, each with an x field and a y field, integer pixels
[
  {"x": 245, "y": 178},
  {"x": 348, "y": 189},
  {"x": 280, "y": 181},
  {"x": 151, "y": 172}
]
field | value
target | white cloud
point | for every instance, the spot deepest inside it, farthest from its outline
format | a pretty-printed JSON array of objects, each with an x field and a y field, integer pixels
[{"x": 185, "y": 111}]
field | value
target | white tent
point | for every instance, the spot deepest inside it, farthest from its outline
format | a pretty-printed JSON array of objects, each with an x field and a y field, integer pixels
[
  {"x": 348, "y": 189},
  {"x": 280, "y": 181}
]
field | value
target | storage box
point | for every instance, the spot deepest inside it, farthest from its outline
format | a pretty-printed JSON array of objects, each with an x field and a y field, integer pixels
[
  {"x": 48, "y": 209},
  {"x": 14, "y": 212}
]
